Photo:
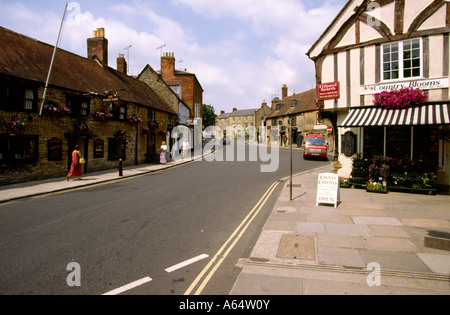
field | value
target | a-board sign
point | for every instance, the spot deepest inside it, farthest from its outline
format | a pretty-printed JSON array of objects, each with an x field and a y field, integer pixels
[{"x": 328, "y": 189}]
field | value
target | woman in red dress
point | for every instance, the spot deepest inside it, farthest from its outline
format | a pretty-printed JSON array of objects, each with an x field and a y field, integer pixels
[{"x": 75, "y": 168}]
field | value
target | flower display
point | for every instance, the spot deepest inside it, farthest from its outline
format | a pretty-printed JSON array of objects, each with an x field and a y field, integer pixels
[
  {"x": 163, "y": 133},
  {"x": 102, "y": 116},
  {"x": 134, "y": 120},
  {"x": 403, "y": 98},
  {"x": 376, "y": 187},
  {"x": 15, "y": 127},
  {"x": 153, "y": 124},
  {"x": 146, "y": 131},
  {"x": 55, "y": 110}
]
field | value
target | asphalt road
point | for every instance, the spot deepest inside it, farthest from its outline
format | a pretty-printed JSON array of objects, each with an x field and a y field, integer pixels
[{"x": 137, "y": 229}]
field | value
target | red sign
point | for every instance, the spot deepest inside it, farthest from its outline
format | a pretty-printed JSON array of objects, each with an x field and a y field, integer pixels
[{"x": 328, "y": 91}]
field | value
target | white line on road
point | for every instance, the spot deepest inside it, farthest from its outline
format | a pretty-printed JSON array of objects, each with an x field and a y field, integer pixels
[
  {"x": 186, "y": 263},
  {"x": 129, "y": 286}
]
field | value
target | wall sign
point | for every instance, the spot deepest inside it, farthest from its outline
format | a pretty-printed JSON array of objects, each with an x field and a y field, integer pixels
[
  {"x": 99, "y": 148},
  {"x": 328, "y": 91},
  {"x": 328, "y": 189},
  {"x": 427, "y": 84},
  {"x": 55, "y": 150}
]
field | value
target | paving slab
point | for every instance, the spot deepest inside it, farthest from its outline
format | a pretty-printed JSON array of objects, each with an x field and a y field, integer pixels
[
  {"x": 427, "y": 223},
  {"x": 394, "y": 260},
  {"x": 340, "y": 256},
  {"x": 341, "y": 241},
  {"x": 310, "y": 228},
  {"x": 376, "y": 221},
  {"x": 437, "y": 263},
  {"x": 326, "y": 287},
  {"x": 347, "y": 229},
  {"x": 390, "y": 244},
  {"x": 388, "y": 231},
  {"x": 254, "y": 284}
]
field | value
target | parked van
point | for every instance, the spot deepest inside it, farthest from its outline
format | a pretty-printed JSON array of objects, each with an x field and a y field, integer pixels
[{"x": 315, "y": 146}]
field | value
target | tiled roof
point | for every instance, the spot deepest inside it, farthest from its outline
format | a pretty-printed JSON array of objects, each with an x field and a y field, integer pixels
[
  {"x": 306, "y": 103},
  {"x": 27, "y": 58}
]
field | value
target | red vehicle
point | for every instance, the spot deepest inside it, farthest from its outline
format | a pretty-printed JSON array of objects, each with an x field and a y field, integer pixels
[{"x": 315, "y": 146}]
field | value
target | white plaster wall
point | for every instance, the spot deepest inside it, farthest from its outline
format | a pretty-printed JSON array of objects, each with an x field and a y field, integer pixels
[
  {"x": 355, "y": 70},
  {"x": 437, "y": 20},
  {"x": 412, "y": 10},
  {"x": 342, "y": 75}
]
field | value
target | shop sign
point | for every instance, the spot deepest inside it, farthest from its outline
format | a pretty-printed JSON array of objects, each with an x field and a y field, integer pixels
[
  {"x": 427, "y": 84},
  {"x": 328, "y": 189},
  {"x": 328, "y": 91}
]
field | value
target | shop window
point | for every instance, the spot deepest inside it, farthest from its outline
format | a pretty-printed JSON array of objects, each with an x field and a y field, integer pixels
[
  {"x": 426, "y": 144},
  {"x": 373, "y": 141},
  {"x": 116, "y": 149},
  {"x": 398, "y": 141},
  {"x": 19, "y": 149},
  {"x": 402, "y": 60}
]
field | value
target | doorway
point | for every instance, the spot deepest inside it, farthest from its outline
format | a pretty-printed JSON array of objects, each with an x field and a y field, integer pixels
[{"x": 83, "y": 144}]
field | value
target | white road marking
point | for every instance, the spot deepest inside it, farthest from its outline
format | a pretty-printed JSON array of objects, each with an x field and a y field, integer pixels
[
  {"x": 129, "y": 286},
  {"x": 186, "y": 263}
]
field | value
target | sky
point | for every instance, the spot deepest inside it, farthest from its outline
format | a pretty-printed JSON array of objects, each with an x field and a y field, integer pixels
[{"x": 242, "y": 51}]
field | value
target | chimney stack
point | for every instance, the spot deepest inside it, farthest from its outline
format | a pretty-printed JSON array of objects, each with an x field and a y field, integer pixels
[
  {"x": 121, "y": 64},
  {"x": 264, "y": 103},
  {"x": 168, "y": 66},
  {"x": 284, "y": 91},
  {"x": 234, "y": 109},
  {"x": 98, "y": 47}
]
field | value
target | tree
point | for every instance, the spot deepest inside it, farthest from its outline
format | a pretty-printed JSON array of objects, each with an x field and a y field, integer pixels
[{"x": 209, "y": 116}]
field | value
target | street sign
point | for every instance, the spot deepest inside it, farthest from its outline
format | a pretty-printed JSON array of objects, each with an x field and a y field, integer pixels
[{"x": 328, "y": 189}]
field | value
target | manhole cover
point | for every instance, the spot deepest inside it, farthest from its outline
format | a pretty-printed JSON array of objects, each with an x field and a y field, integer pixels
[{"x": 296, "y": 247}]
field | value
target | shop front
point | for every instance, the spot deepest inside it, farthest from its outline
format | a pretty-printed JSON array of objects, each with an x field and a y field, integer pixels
[{"x": 410, "y": 145}]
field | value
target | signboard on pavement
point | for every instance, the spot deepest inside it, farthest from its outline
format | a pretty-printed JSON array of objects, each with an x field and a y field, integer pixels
[{"x": 328, "y": 189}]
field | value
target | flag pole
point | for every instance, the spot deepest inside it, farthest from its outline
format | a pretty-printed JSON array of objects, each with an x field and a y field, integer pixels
[{"x": 53, "y": 60}]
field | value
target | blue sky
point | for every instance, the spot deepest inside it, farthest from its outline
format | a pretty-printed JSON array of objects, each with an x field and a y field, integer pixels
[{"x": 242, "y": 51}]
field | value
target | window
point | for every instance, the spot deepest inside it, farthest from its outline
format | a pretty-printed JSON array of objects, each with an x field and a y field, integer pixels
[
  {"x": 116, "y": 149},
  {"x": 19, "y": 149},
  {"x": 402, "y": 60},
  {"x": 78, "y": 106},
  {"x": 198, "y": 110},
  {"x": 16, "y": 97}
]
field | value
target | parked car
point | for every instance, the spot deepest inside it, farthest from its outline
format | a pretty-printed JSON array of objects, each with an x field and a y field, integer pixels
[
  {"x": 316, "y": 146},
  {"x": 226, "y": 141}
]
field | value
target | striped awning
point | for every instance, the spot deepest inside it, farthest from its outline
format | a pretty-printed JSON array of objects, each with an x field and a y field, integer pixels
[{"x": 433, "y": 114}]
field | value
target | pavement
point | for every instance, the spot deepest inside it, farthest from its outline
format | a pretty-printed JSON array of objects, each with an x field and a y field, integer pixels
[
  {"x": 371, "y": 244},
  {"x": 306, "y": 249},
  {"x": 13, "y": 192}
]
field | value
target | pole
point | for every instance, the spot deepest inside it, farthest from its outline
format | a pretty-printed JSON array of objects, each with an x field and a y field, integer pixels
[
  {"x": 53, "y": 60},
  {"x": 290, "y": 142}
]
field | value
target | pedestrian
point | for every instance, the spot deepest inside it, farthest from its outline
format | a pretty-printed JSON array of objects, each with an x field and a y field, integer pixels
[
  {"x": 75, "y": 167},
  {"x": 163, "y": 155},
  {"x": 185, "y": 147}
]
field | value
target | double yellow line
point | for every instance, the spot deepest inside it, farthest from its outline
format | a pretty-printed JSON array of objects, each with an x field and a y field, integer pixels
[{"x": 205, "y": 276}]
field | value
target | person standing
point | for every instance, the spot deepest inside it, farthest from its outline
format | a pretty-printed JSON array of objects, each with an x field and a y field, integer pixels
[
  {"x": 75, "y": 168},
  {"x": 185, "y": 147},
  {"x": 163, "y": 155}
]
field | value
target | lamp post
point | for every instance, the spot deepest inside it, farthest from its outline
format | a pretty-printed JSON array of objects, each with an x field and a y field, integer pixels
[{"x": 290, "y": 144}]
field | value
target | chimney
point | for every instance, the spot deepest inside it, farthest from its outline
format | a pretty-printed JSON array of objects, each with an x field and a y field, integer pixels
[
  {"x": 98, "y": 47},
  {"x": 264, "y": 103},
  {"x": 167, "y": 66},
  {"x": 275, "y": 101},
  {"x": 234, "y": 109},
  {"x": 222, "y": 112},
  {"x": 121, "y": 64},
  {"x": 284, "y": 91}
]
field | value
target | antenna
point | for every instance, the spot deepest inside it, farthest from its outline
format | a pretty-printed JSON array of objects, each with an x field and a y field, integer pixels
[
  {"x": 161, "y": 47},
  {"x": 180, "y": 62},
  {"x": 128, "y": 56}
]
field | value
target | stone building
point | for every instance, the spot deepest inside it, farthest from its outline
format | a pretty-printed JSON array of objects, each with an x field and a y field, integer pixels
[
  {"x": 301, "y": 109},
  {"x": 103, "y": 110},
  {"x": 376, "y": 46}
]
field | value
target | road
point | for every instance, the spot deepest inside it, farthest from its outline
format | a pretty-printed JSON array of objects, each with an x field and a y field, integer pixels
[{"x": 136, "y": 229}]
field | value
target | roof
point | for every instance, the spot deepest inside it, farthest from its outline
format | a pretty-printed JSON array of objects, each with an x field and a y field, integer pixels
[
  {"x": 243, "y": 112},
  {"x": 27, "y": 58},
  {"x": 306, "y": 103}
]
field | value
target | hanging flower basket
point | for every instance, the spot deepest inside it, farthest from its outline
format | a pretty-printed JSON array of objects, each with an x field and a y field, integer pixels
[
  {"x": 146, "y": 131},
  {"x": 54, "y": 110},
  {"x": 134, "y": 120},
  {"x": 120, "y": 134},
  {"x": 163, "y": 133},
  {"x": 15, "y": 127},
  {"x": 153, "y": 124},
  {"x": 102, "y": 116},
  {"x": 399, "y": 99}
]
